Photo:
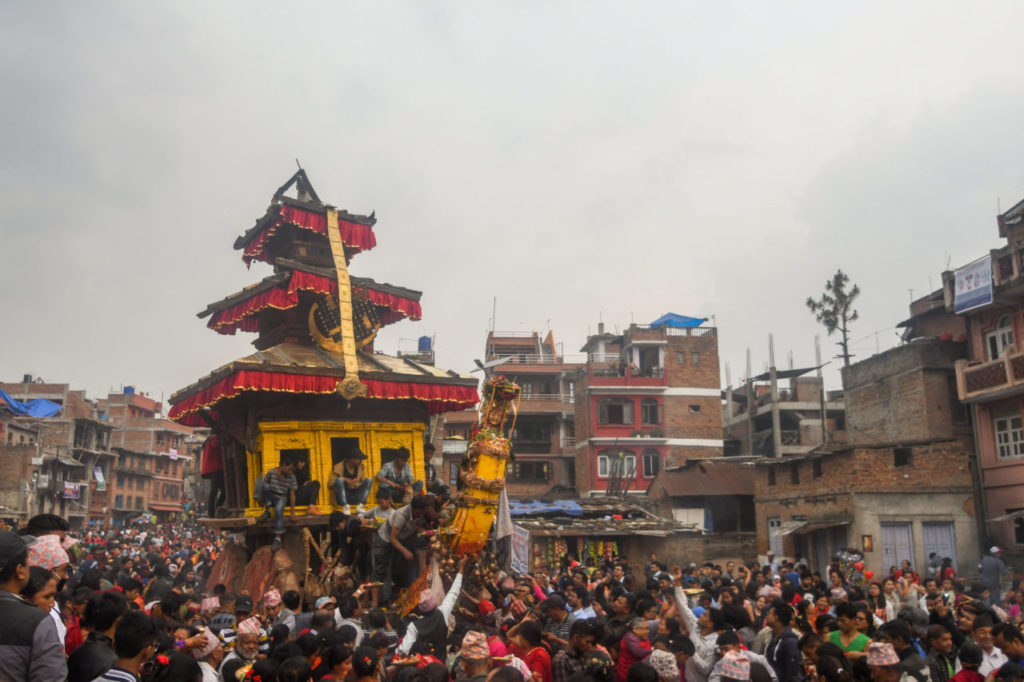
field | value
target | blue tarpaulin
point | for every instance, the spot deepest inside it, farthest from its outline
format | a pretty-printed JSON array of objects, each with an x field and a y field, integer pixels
[
  {"x": 33, "y": 408},
  {"x": 678, "y": 321},
  {"x": 567, "y": 507}
]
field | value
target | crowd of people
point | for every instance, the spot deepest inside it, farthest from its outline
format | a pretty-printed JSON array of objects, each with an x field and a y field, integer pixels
[{"x": 137, "y": 604}]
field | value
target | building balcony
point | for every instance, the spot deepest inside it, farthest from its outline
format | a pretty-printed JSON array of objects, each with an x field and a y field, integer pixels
[
  {"x": 525, "y": 359},
  {"x": 546, "y": 402},
  {"x": 979, "y": 382},
  {"x": 654, "y": 376}
]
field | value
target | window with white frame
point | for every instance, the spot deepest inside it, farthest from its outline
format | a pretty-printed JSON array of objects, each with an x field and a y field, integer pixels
[
  {"x": 616, "y": 463},
  {"x": 652, "y": 463},
  {"x": 1001, "y": 339},
  {"x": 1009, "y": 431}
]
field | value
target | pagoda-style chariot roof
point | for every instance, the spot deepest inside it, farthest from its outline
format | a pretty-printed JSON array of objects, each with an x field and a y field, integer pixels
[
  {"x": 301, "y": 369},
  {"x": 286, "y": 212},
  {"x": 281, "y": 291}
]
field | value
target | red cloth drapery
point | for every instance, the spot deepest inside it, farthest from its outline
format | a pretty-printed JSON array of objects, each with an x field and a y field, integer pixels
[
  {"x": 356, "y": 236},
  {"x": 242, "y": 316},
  {"x": 440, "y": 397}
]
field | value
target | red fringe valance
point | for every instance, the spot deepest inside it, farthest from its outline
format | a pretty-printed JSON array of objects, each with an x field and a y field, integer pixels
[
  {"x": 242, "y": 316},
  {"x": 356, "y": 236},
  {"x": 440, "y": 398}
]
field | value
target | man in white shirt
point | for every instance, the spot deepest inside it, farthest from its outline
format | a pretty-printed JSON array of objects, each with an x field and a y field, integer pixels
[{"x": 433, "y": 619}]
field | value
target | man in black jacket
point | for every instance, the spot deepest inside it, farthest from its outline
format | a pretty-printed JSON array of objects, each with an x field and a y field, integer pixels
[
  {"x": 29, "y": 646},
  {"x": 96, "y": 655},
  {"x": 783, "y": 651}
]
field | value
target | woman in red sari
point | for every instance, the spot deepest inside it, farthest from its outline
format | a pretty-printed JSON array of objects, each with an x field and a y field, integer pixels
[
  {"x": 635, "y": 647},
  {"x": 529, "y": 638}
]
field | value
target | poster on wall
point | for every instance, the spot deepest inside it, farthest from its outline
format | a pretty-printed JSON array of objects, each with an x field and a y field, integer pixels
[
  {"x": 973, "y": 285},
  {"x": 70, "y": 490},
  {"x": 520, "y": 559}
]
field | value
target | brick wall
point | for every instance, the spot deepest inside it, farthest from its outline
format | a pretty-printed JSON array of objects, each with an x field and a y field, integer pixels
[
  {"x": 680, "y": 368},
  {"x": 16, "y": 463},
  {"x": 903, "y": 394},
  {"x": 942, "y": 467},
  {"x": 693, "y": 417}
]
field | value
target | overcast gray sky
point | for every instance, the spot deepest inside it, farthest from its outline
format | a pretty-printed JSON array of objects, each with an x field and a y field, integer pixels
[{"x": 577, "y": 160}]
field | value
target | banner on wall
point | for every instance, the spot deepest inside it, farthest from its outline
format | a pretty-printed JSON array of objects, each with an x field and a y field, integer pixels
[
  {"x": 520, "y": 559},
  {"x": 973, "y": 285}
]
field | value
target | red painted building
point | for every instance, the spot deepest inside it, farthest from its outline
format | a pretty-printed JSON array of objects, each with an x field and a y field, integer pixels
[
  {"x": 646, "y": 399},
  {"x": 991, "y": 380}
]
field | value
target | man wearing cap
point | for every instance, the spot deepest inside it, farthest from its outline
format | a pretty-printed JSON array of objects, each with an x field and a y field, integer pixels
[
  {"x": 728, "y": 643},
  {"x": 476, "y": 658},
  {"x": 29, "y": 646},
  {"x": 349, "y": 480},
  {"x": 428, "y": 634},
  {"x": 397, "y": 475},
  {"x": 992, "y": 570},
  {"x": 247, "y": 642},
  {"x": 883, "y": 662},
  {"x": 274, "y": 607},
  {"x": 209, "y": 655},
  {"x": 734, "y": 667},
  {"x": 992, "y": 656}
]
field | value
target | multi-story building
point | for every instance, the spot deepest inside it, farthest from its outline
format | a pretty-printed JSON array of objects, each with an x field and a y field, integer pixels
[
  {"x": 18, "y": 446},
  {"x": 543, "y": 438},
  {"x": 900, "y": 488},
  {"x": 989, "y": 295},
  {"x": 644, "y": 399},
  {"x": 152, "y": 458},
  {"x": 71, "y": 465}
]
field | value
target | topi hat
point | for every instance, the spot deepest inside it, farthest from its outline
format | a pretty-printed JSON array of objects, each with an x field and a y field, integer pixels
[
  {"x": 735, "y": 666},
  {"x": 881, "y": 654},
  {"x": 665, "y": 664},
  {"x": 47, "y": 552},
  {"x": 475, "y": 647}
]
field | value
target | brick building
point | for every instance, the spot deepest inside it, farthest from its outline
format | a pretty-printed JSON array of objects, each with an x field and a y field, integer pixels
[
  {"x": 646, "y": 399},
  {"x": 543, "y": 439},
  {"x": 69, "y": 467},
  {"x": 18, "y": 445},
  {"x": 991, "y": 378},
  {"x": 902, "y": 486},
  {"x": 151, "y": 458}
]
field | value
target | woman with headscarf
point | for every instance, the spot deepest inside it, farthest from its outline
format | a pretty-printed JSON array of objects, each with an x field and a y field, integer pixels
[{"x": 48, "y": 552}]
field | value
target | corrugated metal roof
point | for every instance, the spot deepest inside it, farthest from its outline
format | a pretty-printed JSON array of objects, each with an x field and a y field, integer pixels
[{"x": 708, "y": 477}]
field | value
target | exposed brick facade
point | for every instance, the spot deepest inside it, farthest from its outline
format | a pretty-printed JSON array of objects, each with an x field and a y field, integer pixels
[
  {"x": 906, "y": 474},
  {"x": 905, "y": 396}
]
